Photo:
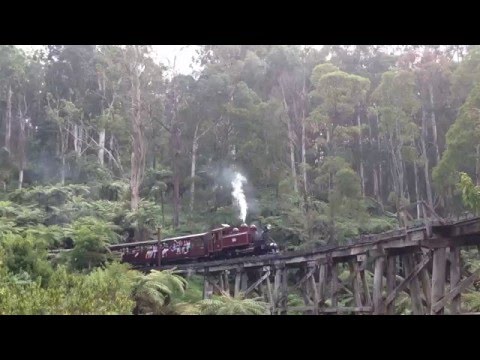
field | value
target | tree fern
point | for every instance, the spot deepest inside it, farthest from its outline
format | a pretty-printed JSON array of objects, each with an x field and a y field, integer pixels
[
  {"x": 228, "y": 305},
  {"x": 154, "y": 292}
]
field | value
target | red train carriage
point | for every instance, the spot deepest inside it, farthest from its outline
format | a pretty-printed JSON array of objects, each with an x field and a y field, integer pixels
[
  {"x": 185, "y": 248},
  {"x": 219, "y": 243}
]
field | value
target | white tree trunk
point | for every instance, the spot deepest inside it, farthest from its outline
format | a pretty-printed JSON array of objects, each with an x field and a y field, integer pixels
[
  {"x": 362, "y": 175},
  {"x": 425, "y": 160},
  {"x": 77, "y": 139},
  {"x": 62, "y": 173},
  {"x": 417, "y": 192},
  {"x": 434, "y": 125},
  {"x": 20, "y": 178},
  {"x": 8, "y": 119},
  {"x": 477, "y": 166},
  {"x": 192, "y": 170},
  {"x": 101, "y": 144},
  {"x": 138, "y": 136},
  {"x": 110, "y": 154},
  {"x": 292, "y": 155},
  {"x": 21, "y": 144},
  {"x": 290, "y": 142},
  {"x": 304, "y": 161}
]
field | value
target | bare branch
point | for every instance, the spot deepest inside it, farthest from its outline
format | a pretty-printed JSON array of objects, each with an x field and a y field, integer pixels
[{"x": 89, "y": 145}]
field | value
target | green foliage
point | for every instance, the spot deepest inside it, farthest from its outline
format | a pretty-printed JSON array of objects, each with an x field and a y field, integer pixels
[
  {"x": 246, "y": 109},
  {"x": 463, "y": 149},
  {"x": 377, "y": 225},
  {"x": 228, "y": 305},
  {"x": 91, "y": 238},
  {"x": 102, "y": 292},
  {"x": 470, "y": 193},
  {"x": 347, "y": 183},
  {"x": 26, "y": 254},
  {"x": 154, "y": 292}
]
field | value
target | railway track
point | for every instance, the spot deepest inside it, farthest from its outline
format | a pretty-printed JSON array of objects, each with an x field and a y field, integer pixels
[
  {"x": 403, "y": 237},
  {"x": 290, "y": 256}
]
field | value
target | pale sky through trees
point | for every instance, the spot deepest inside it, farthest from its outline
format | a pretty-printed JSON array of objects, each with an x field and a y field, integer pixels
[{"x": 163, "y": 53}]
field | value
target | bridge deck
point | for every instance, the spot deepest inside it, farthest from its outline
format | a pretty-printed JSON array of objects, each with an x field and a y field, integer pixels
[{"x": 454, "y": 233}]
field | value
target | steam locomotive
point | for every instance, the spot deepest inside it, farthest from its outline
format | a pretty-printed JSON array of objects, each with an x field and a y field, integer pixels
[{"x": 220, "y": 243}]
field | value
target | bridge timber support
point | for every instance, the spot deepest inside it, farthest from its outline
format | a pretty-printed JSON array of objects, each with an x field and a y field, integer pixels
[{"x": 375, "y": 274}]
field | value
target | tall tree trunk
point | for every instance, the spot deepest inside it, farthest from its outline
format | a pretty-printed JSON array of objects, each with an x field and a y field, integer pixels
[
  {"x": 380, "y": 181},
  {"x": 380, "y": 170},
  {"x": 176, "y": 175},
  {"x": 77, "y": 139},
  {"x": 477, "y": 166},
  {"x": 304, "y": 161},
  {"x": 138, "y": 137},
  {"x": 417, "y": 192},
  {"x": 376, "y": 190},
  {"x": 192, "y": 171},
  {"x": 101, "y": 145},
  {"x": 101, "y": 133},
  {"x": 63, "y": 135},
  {"x": 362, "y": 176},
  {"x": 304, "y": 140},
  {"x": 110, "y": 154},
  {"x": 21, "y": 144},
  {"x": 292, "y": 155},
  {"x": 8, "y": 119},
  {"x": 434, "y": 125},
  {"x": 425, "y": 160},
  {"x": 290, "y": 141},
  {"x": 62, "y": 171},
  {"x": 399, "y": 163},
  {"x": 162, "y": 203},
  {"x": 175, "y": 148},
  {"x": 394, "y": 168}
]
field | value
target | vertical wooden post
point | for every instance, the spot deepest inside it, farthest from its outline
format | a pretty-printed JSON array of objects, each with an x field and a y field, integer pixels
[
  {"x": 366, "y": 289},
  {"x": 391, "y": 281},
  {"x": 260, "y": 287},
  {"x": 238, "y": 278},
  {"x": 334, "y": 284},
  {"x": 426, "y": 284},
  {"x": 414, "y": 286},
  {"x": 322, "y": 277},
  {"x": 284, "y": 291},
  {"x": 221, "y": 284},
  {"x": 311, "y": 288},
  {"x": 378, "y": 285},
  {"x": 304, "y": 288},
  {"x": 271, "y": 298},
  {"x": 207, "y": 286},
  {"x": 226, "y": 283},
  {"x": 356, "y": 283},
  {"x": 455, "y": 278},
  {"x": 244, "y": 282},
  {"x": 438, "y": 278},
  {"x": 276, "y": 288},
  {"x": 316, "y": 297}
]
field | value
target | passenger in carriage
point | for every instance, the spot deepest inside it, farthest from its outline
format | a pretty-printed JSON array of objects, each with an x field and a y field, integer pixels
[
  {"x": 179, "y": 246},
  {"x": 164, "y": 249}
]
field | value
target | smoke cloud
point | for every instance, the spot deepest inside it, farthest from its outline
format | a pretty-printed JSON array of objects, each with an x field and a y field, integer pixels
[{"x": 239, "y": 195}]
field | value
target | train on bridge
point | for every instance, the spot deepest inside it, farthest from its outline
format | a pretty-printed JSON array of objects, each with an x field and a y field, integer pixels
[{"x": 221, "y": 243}]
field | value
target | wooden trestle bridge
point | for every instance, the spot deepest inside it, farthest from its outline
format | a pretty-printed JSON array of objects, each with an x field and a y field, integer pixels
[{"x": 424, "y": 262}]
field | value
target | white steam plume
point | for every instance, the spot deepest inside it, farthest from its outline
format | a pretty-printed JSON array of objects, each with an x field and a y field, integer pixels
[{"x": 239, "y": 195}]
